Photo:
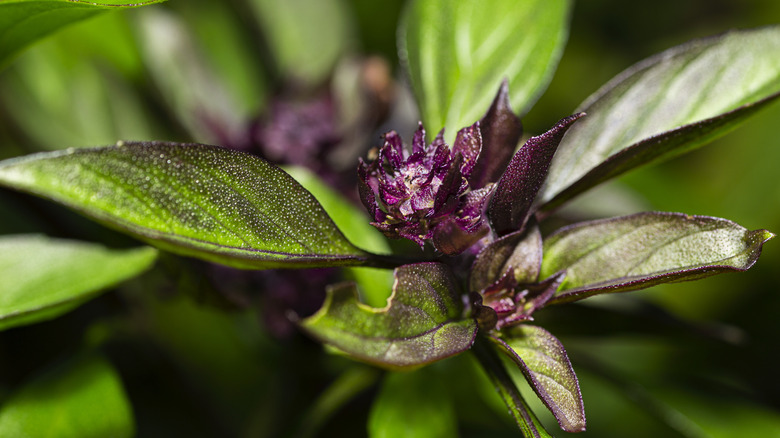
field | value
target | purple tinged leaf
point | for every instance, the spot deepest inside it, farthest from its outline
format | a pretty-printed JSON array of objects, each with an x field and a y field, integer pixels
[
  {"x": 666, "y": 105},
  {"x": 505, "y": 386},
  {"x": 656, "y": 148},
  {"x": 545, "y": 364},
  {"x": 516, "y": 190},
  {"x": 642, "y": 250},
  {"x": 519, "y": 252},
  {"x": 501, "y": 131},
  {"x": 422, "y": 322}
]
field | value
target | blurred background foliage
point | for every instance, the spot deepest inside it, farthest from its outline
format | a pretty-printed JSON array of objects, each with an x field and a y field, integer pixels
[{"x": 692, "y": 360}]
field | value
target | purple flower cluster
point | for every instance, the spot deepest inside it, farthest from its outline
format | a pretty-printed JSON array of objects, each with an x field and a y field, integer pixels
[{"x": 425, "y": 194}]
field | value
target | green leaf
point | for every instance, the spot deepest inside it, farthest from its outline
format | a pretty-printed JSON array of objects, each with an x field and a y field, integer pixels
[
  {"x": 24, "y": 21},
  {"x": 81, "y": 399},
  {"x": 202, "y": 201},
  {"x": 375, "y": 284},
  {"x": 545, "y": 364},
  {"x": 414, "y": 404},
  {"x": 666, "y": 105},
  {"x": 642, "y": 250},
  {"x": 42, "y": 278},
  {"x": 306, "y": 37},
  {"x": 457, "y": 54},
  {"x": 422, "y": 322},
  {"x": 188, "y": 80}
]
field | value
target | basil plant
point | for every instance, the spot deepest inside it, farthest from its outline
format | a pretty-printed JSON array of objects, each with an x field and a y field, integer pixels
[{"x": 462, "y": 240}]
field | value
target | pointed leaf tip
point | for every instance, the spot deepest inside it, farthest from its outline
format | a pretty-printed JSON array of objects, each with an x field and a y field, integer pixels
[
  {"x": 516, "y": 191},
  {"x": 501, "y": 130},
  {"x": 545, "y": 364},
  {"x": 638, "y": 251}
]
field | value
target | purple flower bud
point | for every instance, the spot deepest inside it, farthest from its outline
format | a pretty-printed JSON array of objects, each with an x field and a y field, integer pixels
[{"x": 425, "y": 193}]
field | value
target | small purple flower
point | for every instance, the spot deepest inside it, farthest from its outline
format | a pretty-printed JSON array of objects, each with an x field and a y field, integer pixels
[{"x": 422, "y": 194}]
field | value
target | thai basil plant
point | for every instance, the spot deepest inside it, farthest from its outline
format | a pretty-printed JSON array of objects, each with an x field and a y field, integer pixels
[{"x": 470, "y": 203}]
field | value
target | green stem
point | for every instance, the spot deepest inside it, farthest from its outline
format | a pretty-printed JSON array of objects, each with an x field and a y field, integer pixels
[{"x": 518, "y": 408}]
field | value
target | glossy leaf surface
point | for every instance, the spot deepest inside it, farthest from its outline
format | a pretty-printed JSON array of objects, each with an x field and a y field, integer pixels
[
  {"x": 639, "y": 251},
  {"x": 24, "y": 21},
  {"x": 80, "y": 399},
  {"x": 422, "y": 322},
  {"x": 42, "y": 278},
  {"x": 196, "y": 200},
  {"x": 457, "y": 54},
  {"x": 546, "y": 366},
  {"x": 665, "y": 106}
]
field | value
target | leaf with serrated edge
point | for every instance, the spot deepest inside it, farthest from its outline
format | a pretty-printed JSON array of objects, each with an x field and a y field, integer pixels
[
  {"x": 42, "y": 278},
  {"x": 22, "y": 22},
  {"x": 457, "y": 53},
  {"x": 421, "y": 323},
  {"x": 642, "y": 250},
  {"x": 202, "y": 201},
  {"x": 545, "y": 364},
  {"x": 666, "y": 105}
]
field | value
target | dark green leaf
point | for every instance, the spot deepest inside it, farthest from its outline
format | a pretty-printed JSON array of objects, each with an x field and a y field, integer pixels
[
  {"x": 422, "y": 322},
  {"x": 81, "y": 399},
  {"x": 25, "y": 21},
  {"x": 665, "y": 106},
  {"x": 545, "y": 364},
  {"x": 41, "y": 278},
  {"x": 414, "y": 404},
  {"x": 642, "y": 250},
  {"x": 457, "y": 54},
  {"x": 203, "y": 201}
]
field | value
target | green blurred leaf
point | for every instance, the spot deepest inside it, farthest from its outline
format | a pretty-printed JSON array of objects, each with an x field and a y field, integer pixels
[
  {"x": 375, "y": 284},
  {"x": 41, "y": 278},
  {"x": 412, "y": 405},
  {"x": 422, "y": 322},
  {"x": 189, "y": 81},
  {"x": 202, "y": 201},
  {"x": 666, "y": 105},
  {"x": 711, "y": 416},
  {"x": 457, "y": 54},
  {"x": 81, "y": 399},
  {"x": 545, "y": 364},
  {"x": 642, "y": 250},
  {"x": 306, "y": 37},
  {"x": 24, "y": 21},
  {"x": 86, "y": 97}
]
